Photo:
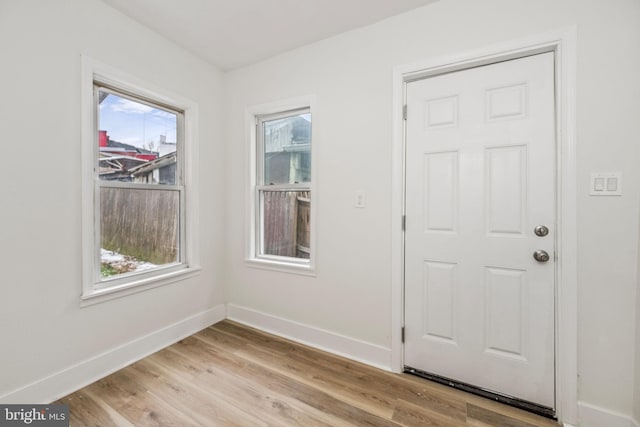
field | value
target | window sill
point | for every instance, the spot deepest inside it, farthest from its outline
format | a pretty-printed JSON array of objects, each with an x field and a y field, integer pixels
[
  {"x": 102, "y": 295},
  {"x": 281, "y": 266}
]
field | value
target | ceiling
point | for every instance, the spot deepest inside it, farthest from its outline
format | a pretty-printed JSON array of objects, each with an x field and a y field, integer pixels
[{"x": 233, "y": 33}]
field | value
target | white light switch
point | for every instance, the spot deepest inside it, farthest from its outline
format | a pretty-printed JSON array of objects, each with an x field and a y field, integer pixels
[
  {"x": 598, "y": 184},
  {"x": 606, "y": 184},
  {"x": 360, "y": 199}
]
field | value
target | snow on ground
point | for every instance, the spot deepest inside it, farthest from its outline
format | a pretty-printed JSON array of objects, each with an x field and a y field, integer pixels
[
  {"x": 123, "y": 263},
  {"x": 110, "y": 256}
]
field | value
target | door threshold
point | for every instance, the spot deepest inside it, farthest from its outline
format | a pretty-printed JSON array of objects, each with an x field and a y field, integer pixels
[{"x": 497, "y": 397}]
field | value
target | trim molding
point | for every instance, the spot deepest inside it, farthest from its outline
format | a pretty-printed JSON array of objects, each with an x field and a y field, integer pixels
[
  {"x": 563, "y": 43},
  {"x": 595, "y": 416},
  {"x": 75, "y": 377},
  {"x": 92, "y": 70},
  {"x": 351, "y": 348},
  {"x": 251, "y": 217}
]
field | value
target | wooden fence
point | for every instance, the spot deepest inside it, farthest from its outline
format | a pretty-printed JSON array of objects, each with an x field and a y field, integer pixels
[
  {"x": 303, "y": 225},
  {"x": 140, "y": 223},
  {"x": 287, "y": 216},
  {"x": 144, "y": 223}
]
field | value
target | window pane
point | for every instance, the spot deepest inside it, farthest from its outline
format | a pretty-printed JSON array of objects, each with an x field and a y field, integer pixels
[
  {"x": 287, "y": 150},
  {"x": 286, "y": 218},
  {"x": 138, "y": 229},
  {"x": 137, "y": 142}
]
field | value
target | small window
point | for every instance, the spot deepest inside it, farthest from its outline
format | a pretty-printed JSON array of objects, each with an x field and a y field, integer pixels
[{"x": 283, "y": 187}]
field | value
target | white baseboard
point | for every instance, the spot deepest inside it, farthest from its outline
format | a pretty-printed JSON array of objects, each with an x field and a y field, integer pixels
[
  {"x": 70, "y": 379},
  {"x": 351, "y": 348},
  {"x": 594, "y": 416}
]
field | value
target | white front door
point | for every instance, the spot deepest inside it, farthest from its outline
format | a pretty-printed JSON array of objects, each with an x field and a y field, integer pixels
[{"x": 480, "y": 177}]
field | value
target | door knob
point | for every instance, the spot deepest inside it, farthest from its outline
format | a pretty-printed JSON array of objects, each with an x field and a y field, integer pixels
[
  {"x": 541, "y": 256},
  {"x": 541, "y": 230}
]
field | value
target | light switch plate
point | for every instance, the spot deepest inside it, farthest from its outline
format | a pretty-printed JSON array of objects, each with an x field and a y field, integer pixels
[
  {"x": 606, "y": 184},
  {"x": 360, "y": 199}
]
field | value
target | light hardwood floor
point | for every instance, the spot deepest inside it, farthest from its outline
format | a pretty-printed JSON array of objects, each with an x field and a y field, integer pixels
[{"x": 232, "y": 375}]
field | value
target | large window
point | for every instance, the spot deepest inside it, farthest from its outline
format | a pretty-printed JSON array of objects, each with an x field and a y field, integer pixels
[
  {"x": 138, "y": 184},
  {"x": 137, "y": 226},
  {"x": 283, "y": 187}
]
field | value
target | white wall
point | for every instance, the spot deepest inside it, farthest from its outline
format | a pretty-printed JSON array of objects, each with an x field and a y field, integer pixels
[
  {"x": 40, "y": 46},
  {"x": 44, "y": 331},
  {"x": 636, "y": 401},
  {"x": 608, "y": 107},
  {"x": 351, "y": 77},
  {"x": 636, "y": 404}
]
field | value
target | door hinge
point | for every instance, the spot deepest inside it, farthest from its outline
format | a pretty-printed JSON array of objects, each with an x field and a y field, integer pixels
[
  {"x": 404, "y": 223},
  {"x": 402, "y": 334},
  {"x": 404, "y": 112}
]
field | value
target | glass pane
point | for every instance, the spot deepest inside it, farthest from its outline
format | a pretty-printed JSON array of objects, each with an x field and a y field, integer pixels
[
  {"x": 287, "y": 150},
  {"x": 138, "y": 230},
  {"x": 137, "y": 142},
  {"x": 285, "y": 223}
]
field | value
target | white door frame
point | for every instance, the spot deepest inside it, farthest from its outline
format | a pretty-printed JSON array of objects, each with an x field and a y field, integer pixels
[{"x": 563, "y": 43}]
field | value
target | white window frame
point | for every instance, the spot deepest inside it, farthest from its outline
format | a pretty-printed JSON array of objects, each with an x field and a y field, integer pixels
[
  {"x": 94, "y": 288},
  {"x": 254, "y": 116}
]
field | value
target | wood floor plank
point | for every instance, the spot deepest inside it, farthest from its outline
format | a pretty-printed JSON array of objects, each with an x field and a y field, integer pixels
[
  {"x": 485, "y": 411},
  {"x": 206, "y": 408},
  {"x": 226, "y": 341},
  {"x": 254, "y": 336},
  {"x": 482, "y": 417},
  {"x": 121, "y": 392},
  {"x": 369, "y": 380},
  {"x": 241, "y": 388},
  {"x": 88, "y": 412},
  {"x": 370, "y": 398},
  {"x": 407, "y": 413},
  {"x": 233, "y": 375},
  {"x": 280, "y": 385},
  {"x": 435, "y": 397}
]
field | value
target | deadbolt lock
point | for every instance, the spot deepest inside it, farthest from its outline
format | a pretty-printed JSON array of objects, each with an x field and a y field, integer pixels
[{"x": 541, "y": 230}]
